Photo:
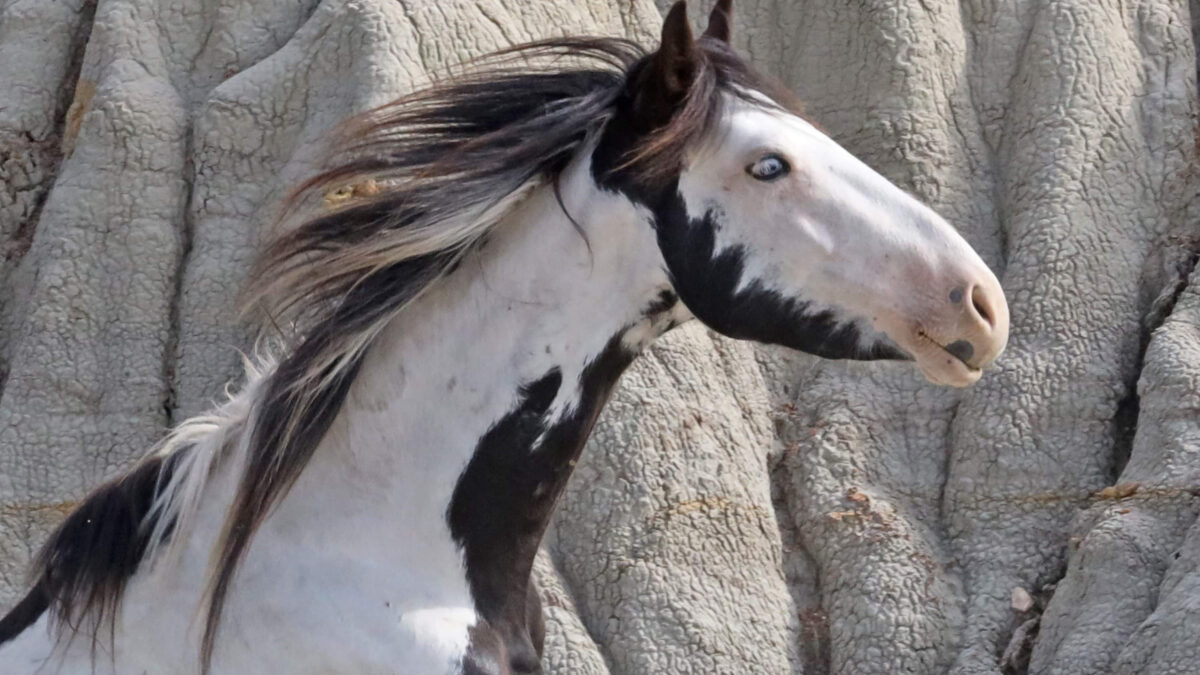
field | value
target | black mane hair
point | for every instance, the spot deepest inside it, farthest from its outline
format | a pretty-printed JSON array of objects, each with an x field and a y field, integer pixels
[{"x": 82, "y": 569}]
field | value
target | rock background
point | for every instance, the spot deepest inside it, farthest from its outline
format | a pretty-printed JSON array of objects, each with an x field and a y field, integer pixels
[{"x": 740, "y": 510}]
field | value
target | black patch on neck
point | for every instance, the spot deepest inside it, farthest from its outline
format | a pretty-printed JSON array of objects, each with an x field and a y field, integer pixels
[
  {"x": 502, "y": 504},
  {"x": 83, "y": 568}
]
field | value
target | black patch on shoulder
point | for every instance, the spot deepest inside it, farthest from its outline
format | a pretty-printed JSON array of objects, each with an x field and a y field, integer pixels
[
  {"x": 486, "y": 652},
  {"x": 502, "y": 504},
  {"x": 535, "y": 620},
  {"x": 83, "y": 568}
]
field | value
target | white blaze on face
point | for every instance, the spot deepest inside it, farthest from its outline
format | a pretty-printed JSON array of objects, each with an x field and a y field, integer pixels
[{"x": 831, "y": 231}]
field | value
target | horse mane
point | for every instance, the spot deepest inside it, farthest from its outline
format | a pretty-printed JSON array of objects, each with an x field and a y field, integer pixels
[{"x": 412, "y": 187}]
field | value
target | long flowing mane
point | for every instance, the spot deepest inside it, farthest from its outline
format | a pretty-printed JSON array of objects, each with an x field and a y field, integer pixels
[
  {"x": 450, "y": 160},
  {"x": 443, "y": 166}
]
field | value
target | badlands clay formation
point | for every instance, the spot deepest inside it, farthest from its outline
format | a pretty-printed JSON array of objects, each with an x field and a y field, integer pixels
[{"x": 740, "y": 509}]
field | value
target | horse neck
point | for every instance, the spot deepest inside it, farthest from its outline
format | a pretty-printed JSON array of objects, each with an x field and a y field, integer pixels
[{"x": 473, "y": 404}]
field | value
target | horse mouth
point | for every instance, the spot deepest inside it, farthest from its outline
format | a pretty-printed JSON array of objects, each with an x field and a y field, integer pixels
[{"x": 944, "y": 364}]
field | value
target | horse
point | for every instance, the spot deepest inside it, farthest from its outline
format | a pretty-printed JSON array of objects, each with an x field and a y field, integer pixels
[{"x": 372, "y": 499}]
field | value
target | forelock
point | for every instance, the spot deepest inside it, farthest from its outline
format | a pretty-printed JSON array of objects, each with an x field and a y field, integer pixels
[{"x": 720, "y": 76}]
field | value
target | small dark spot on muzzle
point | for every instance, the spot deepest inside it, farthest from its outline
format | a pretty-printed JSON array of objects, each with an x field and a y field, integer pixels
[
  {"x": 961, "y": 350},
  {"x": 956, "y": 295}
]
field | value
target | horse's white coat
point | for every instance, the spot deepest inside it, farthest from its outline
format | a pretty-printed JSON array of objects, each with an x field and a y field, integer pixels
[{"x": 356, "y": 570}]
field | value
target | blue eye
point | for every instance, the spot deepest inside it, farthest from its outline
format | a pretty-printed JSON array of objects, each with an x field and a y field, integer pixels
[{"x": 769, "y": 168}]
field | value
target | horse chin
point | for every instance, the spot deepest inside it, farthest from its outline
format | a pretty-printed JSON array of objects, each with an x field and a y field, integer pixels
[{"x": 947, "y": 371}]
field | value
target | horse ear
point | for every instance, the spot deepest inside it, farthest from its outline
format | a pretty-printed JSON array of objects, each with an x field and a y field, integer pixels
[
  {"x": 676, "y": 57},
  {"x": 720, "y": 21},
  {"x": 669, "y": 74}
]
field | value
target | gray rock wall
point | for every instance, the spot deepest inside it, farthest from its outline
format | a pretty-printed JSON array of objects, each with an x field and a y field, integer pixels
[{"x": 740, "y": 510}]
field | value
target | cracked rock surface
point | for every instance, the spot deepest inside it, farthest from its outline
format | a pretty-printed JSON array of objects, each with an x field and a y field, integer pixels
[{"x": 740, "y": 509}]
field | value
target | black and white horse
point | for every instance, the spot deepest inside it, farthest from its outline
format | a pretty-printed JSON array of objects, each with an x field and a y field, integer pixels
[{"x": 371, "y": 501}]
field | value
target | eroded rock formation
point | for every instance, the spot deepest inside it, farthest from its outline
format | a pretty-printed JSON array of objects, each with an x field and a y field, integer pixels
[{"x": 740, "y": 509}]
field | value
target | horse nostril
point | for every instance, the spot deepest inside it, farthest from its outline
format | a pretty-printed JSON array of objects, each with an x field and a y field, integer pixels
[{"x": 980, "y": 302}]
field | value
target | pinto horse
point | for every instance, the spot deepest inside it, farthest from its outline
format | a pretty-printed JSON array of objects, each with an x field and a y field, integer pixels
[{"x": 372, "y": 499}]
